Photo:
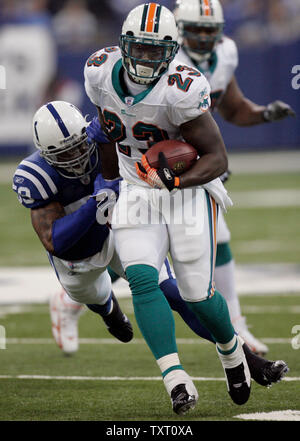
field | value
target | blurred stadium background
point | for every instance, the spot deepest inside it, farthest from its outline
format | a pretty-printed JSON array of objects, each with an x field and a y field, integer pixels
[
  {"x": 45, "y": 43},
  {"x": 43, "y": 47}
]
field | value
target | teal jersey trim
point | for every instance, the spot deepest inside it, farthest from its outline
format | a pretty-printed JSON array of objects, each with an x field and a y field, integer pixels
[
  {"x": 213, "y": 61},
  {"x": 115, "y": 77},
  {"x": 211, "y": 241}
]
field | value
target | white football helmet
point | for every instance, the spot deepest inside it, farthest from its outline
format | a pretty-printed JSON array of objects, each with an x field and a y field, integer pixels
[
  {"x": 59, "y": 133},
  {"x": 148, "y": 42},
  {"x": 192, "y": 16}
]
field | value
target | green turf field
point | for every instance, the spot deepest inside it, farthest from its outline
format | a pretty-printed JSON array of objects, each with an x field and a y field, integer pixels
[
  {"x": 30, "y": 351},
  {"x": 259, "y": 235}
]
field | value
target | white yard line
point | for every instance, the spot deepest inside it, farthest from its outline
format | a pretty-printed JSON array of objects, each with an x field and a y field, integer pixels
[
  {"x": 136, "y": 341},
  {"x": 27, "y": 285},
  {"x": 83, "y": 378}
]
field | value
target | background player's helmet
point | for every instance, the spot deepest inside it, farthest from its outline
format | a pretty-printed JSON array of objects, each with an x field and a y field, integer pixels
[
  {"x": 148, "y": 42},
  {"x": 59, "y": 133},
  {"x": 200, "y": 25}
]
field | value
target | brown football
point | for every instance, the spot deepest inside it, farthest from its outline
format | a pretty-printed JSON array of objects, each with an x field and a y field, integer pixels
[{"x": 180, "y": 155}]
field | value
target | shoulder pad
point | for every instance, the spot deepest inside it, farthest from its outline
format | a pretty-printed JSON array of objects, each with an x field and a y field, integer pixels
[
  {"x": 92, "y": 69},
  {"x": 35, "y": 181}
]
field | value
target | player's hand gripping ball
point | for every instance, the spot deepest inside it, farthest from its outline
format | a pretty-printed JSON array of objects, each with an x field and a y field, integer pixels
[{"x": 164, "y": 161}]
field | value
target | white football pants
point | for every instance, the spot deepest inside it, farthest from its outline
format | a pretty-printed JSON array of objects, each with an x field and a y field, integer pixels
[{"x": 149, "y": 223}]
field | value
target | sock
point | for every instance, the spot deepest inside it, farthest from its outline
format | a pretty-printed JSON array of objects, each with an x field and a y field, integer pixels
[
  {"x": 171, "y": 292},
  {"x": 231, "y": 354},
  {"x": 152, "y": 311},
  {"x": 213, "y": 314},
  {"x": 114, "y": 276},
  {"x": 225, "y": 284},
  {"x": 103, "y": 310}
]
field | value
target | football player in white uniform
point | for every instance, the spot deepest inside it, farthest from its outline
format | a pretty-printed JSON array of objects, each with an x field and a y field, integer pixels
[
  {"x": 143, "y": 96},
  {"x": 205, "y": 47}
]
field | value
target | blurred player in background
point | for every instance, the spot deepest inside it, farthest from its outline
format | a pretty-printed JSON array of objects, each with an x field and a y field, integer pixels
[{"x": 204, "y": 46}]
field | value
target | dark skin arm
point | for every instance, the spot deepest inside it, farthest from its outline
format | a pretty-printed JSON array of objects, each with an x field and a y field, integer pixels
[
  {"x": 239, "y": 110},
  {"x": 108, "y": 155},
  {"x": 203, "y": 133},
  {"x": 42, "y": 221}
]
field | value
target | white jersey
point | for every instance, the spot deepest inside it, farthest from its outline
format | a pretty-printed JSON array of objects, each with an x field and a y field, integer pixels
[
  {"x": 137, "y": 122},
  {"x": 219, "y": 70}
]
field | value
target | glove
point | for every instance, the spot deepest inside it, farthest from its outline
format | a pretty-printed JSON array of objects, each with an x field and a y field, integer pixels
[
  {"x": 106, "y": 194},
  {"x": 163, "y": 177},
  {"x": 277, "y": 110},
  {"x": 95, "y": 132},
  {"x": 225, "y": 176}
]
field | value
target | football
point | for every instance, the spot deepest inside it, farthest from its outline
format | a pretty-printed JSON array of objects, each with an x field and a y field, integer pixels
[{"x": 180, "y": 155}]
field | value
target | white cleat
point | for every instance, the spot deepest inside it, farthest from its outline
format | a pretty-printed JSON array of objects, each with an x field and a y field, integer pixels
[
  {"x": 64, "y": 317},
  {"x": 254, "y": 344}
]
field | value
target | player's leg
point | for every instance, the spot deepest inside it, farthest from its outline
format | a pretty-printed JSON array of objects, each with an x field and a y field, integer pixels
[
  {"x": 225, "y": 283},
  {"x": 264, "y": 372},
  {"x": 91, "y": 286},
  {"x": 193, "y": 252},
  {"x": 65, "y": 313},
  {"x": 168, "y": 285},
  {"x": 142, "y": 249}
]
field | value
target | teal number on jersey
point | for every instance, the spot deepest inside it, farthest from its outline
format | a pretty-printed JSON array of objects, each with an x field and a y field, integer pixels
[
  {"x": 114, "y": 125},
  {"x": 177, "y": 79},
  {"x": 148, "y": 132},
  {"x": 141, "y": 131}
]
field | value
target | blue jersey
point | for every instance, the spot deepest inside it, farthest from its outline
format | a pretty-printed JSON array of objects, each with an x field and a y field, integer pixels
[{"x": 37, "y": 184}]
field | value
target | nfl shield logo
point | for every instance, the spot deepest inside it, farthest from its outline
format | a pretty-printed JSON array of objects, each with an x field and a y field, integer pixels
[{"x": 129, "y": 100}]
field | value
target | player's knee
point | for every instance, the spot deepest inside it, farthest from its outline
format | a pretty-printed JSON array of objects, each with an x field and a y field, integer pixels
[
  {"x": 142, "y": 279},
  {"x": 194, "y": 287}
]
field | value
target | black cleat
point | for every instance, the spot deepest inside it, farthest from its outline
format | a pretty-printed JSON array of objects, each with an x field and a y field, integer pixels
[
  {"x": 118, "y": 324},
  {"x": 181, "y": 400},
  {"x": 237, "y": 383},
  {"x": 263, "y": 371}
]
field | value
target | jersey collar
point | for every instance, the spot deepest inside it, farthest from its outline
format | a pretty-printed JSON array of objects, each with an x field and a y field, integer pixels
[{"x": 120, "y": 87}]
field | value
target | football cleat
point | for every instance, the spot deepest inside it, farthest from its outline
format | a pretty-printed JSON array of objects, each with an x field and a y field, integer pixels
[
  {"x": 264, "y": 372},
  {"x": 254, "y": 344},
  {"x": 182, "y": 401},
  {"x": 64, "y": 319},
  {"x": 118, "y": 324},
  {"x": 238, "y": 384},
  {"x": 237, "y": 374}
]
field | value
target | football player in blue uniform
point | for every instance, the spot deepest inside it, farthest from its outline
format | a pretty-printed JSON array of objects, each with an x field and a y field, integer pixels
[{"x": 56, "y": 183}]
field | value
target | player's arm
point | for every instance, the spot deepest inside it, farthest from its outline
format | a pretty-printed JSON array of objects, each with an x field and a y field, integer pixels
[
  {"x": 59, "y": 231},
  {"x": 108, "y": 155},
  {"x": 42, "y": 220},
  {"x": 203, "y": 133},
  {"x": 239, "y": 110}
]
